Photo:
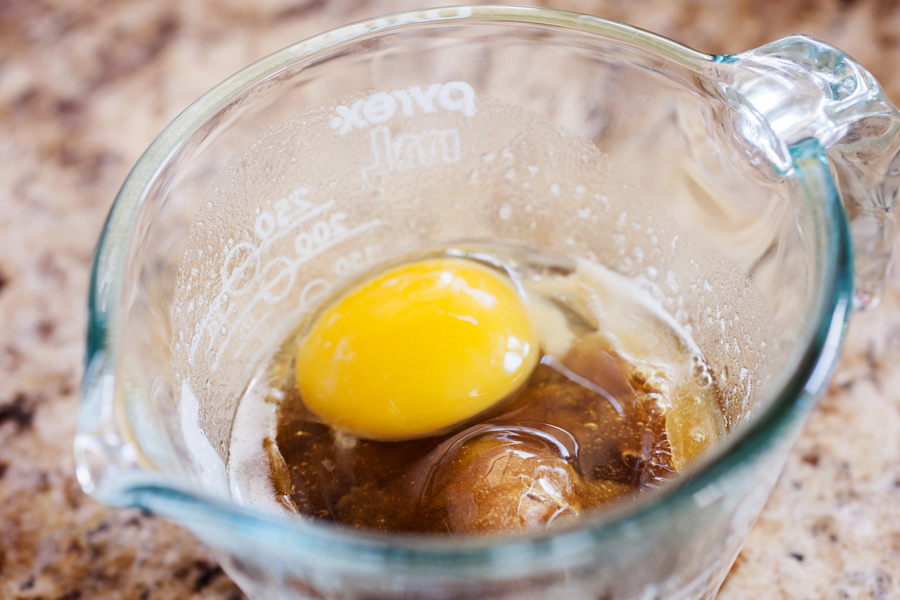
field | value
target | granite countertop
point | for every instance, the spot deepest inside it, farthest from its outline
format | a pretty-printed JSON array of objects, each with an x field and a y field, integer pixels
[{"x": 86, "y": 85}]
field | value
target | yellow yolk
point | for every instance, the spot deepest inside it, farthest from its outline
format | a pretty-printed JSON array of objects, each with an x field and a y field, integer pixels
[{"x": 418, "y": 348}]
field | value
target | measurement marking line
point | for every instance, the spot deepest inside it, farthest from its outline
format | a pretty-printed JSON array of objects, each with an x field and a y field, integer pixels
[
  {"x": 303, "y": 218},
  {"x": 213, "y": 315},
  {"x": 293, "y": 266}
]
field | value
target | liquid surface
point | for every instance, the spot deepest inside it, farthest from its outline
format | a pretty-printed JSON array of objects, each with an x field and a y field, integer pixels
[{"x": 621, "y": 401}]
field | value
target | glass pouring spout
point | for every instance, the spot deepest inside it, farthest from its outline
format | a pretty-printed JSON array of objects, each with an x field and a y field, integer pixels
[{"x": 798, "y": 89}]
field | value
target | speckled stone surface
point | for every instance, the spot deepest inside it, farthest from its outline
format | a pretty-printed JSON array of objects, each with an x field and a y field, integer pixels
[{"x": 86, "y": 85}]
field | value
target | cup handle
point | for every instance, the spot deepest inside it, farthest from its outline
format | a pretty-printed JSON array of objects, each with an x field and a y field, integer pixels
[{"x": 804, "y": 88}]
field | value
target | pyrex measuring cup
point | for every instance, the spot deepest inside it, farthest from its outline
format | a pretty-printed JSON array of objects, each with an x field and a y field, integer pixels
[{"x": 733, "y": 189}]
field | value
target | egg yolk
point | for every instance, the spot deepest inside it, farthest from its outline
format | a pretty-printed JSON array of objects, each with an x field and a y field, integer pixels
[{"x": 416, "y": 349}]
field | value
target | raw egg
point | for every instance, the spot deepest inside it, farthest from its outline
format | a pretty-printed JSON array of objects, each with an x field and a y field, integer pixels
[{"x": 416, "y": 349}]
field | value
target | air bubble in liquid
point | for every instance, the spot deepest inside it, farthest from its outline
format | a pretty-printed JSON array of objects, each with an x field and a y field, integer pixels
[
  {"x": 633, "y": 459},
  {"x": 641, "y": 373},
  {"x": 657, "y": 385},
  {"x": 654, "y": 405},
  {"x": 344, "y": 441}
]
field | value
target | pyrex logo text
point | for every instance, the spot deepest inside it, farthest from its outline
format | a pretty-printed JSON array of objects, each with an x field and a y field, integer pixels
[{"x": 455, "y": 96}]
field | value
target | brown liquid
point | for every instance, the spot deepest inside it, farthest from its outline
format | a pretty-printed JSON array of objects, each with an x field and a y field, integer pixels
[
  {"x": 556, "y": 450},
  {"x": 587, "y": 430}
]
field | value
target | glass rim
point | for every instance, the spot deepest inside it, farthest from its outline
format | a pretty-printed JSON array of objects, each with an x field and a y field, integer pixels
[{"x": 815, "y": 356}]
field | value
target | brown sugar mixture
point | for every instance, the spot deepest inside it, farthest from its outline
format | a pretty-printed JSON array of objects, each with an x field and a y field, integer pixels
[{"x": 626, "y": 407}]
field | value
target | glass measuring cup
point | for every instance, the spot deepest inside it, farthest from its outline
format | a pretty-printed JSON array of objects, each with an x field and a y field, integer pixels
[{"x": 717, "y": 182}]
